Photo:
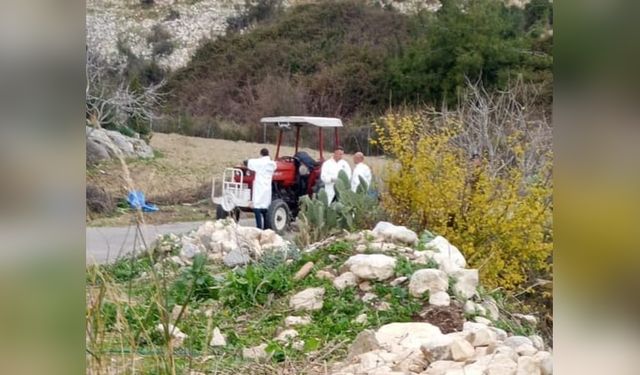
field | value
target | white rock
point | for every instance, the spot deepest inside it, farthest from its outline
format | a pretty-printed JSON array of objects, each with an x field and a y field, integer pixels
[
  {"x": 439, "y": 299},
  {"x": 481, "y": 351},
  {"x": 326, "y": 275},
  {"x": 372, "y": 266},
  {"x": 383, "y": 306},
  {"x": 461, "y": 350},
  {"x": 545, "y": 361},
  {"x": 472, "y": 326},
  {"x": 382, "y": 246},
  {"x": 368, "y": 297},
  {"x": 441, "y": 367},
  {"x": 365, "y": 286},
  {"x": 492, "y": 309},
  {"x": 398, "y": 281},
  {"x": 526, "y": 350},
  {"x": 423, "y": 257},
  {"x": 515, "y": 341},
  {"x": 528, "y": 366},
  {"x": 459, "y": 335},
  {"x": 506, "y": 351},
  {"x": 249, "y": 233},
  {"x": 268, "y": 237},
  {"x": 365, "y": 342},
  {"x": 501, "y": 334},
  {"x": 287, "y": 335},
  {"x": 474, "y": 369},
  {"x": 291, "y": 321},
  {"x": 361, "y": 319},
  {"x": 429, "y": 280},
  {"x": 345, "y": 280},
  {"x": 466, "y": 282},
  {"x": 190, "y": 248},
  {"x": 303, "y": 271},
  {"x": 437, "y": 348},
  {"x": 482, "y": 337},
  {"x": 361, "y": 248},
  {"x": 177, "y": 260},
  {"x": 481, "y": 320},
  {"x": 237, "y": 257},
  {"x": 445, "y": 263},
  {"x": 256, "y": 352},
  {"x": 469, "y": 307},
  {"x": 217, "y": 339},
  {"x": 501, "y": 365},
  {"x": 529, "y": 319},
  {"x": 395, "y": 233},
  {"x": 298, "y": 345},
  {"x": 374, "y": 361},
  {"x": 177, "y": 336},
  {"x": 441, "y": 245},
  {"x": 537, "y": 341},
  {"x": 309, "y": 299},
  {"x": 409, "y": 362},
  {"x": 409, "y": 335}
]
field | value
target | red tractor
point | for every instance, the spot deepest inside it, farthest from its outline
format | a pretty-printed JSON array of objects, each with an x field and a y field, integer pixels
[{"x": 294, "y": 177}]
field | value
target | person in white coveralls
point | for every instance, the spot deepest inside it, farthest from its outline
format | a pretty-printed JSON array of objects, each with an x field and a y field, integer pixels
[
  {"x": 360, "y": 170},
  {"x": 264, "y": 168},
  {"x": 330, "y": 169}
]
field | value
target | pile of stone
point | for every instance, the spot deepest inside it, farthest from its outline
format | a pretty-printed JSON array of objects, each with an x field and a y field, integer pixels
[
  {"x": 421, "y": 348},
  {"x": 223, "y": 240},
  {"x": 476, "y": 348}
]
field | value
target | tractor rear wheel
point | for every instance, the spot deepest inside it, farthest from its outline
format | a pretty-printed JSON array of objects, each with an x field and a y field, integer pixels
[{"x": 278, "y": 216}]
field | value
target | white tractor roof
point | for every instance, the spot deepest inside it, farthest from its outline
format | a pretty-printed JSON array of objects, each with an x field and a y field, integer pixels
[{"x": 322, "y": 122}]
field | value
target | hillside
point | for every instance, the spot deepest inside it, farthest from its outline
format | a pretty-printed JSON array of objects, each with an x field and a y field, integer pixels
[
  {"x": 116, "y": 24},
  {"x": 355, "y": 61},
  {"x": 379, "y": 301}
]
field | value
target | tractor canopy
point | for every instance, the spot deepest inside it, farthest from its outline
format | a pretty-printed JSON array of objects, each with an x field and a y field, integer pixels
[{"x": 285, "y": 121}]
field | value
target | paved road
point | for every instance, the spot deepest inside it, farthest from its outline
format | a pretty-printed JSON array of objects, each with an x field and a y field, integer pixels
[{"x": 105, "y": 244}]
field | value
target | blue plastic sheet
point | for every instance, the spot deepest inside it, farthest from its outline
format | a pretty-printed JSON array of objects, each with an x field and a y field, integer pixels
[{"x": 136, "y": 201}]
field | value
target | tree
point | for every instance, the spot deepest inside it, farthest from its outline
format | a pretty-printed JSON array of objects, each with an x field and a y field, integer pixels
[
  {"x": 481, "y": 39},
  {"x": 112, "y": 101}
]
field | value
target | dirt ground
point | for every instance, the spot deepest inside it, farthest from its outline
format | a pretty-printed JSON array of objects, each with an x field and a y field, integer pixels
[{"x": 184, "y": 165}]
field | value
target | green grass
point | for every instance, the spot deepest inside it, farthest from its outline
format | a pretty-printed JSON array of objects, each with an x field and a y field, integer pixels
[
  {"x": 248, "y": 304},
  {"x": 405, "y": 267}
]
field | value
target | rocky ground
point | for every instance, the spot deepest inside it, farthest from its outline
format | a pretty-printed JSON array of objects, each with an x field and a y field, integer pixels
[{"x": 381, "y": 301}]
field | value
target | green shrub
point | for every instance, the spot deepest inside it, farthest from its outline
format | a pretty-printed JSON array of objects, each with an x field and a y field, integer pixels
[
  {"x": 501, "y": 223},
  {"x": 480, "y": 39}
]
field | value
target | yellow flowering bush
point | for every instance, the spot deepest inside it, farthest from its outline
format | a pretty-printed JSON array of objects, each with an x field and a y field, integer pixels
[{"x": 501, "y": 222}]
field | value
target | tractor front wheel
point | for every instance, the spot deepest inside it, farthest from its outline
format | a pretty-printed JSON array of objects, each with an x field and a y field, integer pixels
[
  {"x": 278, "y": 216},
  {"x": 222, "y": 214}
]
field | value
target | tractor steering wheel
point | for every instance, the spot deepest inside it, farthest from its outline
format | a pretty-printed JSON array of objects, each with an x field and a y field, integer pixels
[{"x": 288, "y": 159}]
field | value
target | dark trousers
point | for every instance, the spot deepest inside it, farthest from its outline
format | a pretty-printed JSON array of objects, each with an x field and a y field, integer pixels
[{"x": 261, "y": 217}]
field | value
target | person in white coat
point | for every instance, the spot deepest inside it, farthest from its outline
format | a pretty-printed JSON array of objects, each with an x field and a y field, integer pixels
[
  {"x": 360, "y": 170},
  {"x": 264, "y": 168},
  {"x": 330, "y": 169}
]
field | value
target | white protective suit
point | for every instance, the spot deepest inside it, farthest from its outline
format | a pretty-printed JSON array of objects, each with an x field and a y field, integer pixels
[
  {"x": 329, "y": 175},
  {"x": 264, "y": 168},
  {"x": 360, "y": 170}
]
